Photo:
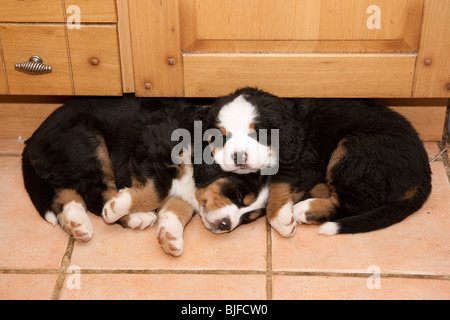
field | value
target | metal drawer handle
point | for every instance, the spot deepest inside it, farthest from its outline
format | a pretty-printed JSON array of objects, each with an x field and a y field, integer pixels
[{"x": 34, "y": 65}]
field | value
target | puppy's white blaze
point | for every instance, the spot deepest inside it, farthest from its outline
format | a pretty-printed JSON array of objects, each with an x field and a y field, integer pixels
[
  {"x": 50, "y": 216},
  {"x": 237, "y": 115},
  {"x": 237, "y": 118},
  {"x": 329, "y": 228}
]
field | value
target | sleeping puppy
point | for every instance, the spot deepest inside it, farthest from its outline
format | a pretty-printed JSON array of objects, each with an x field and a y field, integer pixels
[
  {"x": 351, "y": 163},
  {"x": 114, "y": 157}
]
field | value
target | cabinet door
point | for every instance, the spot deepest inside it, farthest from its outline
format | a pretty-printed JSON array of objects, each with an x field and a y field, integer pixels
[
  {"x": 31, "y": 11},
  {"x": 94, "y": 51},
  {"x": 432, "y": 77},
  {"x": 300, "y": 25},
  {"x": 20, "y": 42}
]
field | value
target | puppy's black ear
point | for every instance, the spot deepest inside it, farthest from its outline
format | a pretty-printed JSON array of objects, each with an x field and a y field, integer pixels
[
  {"x": 204, "y": 174},
  {"x": 201, "y": 112}
]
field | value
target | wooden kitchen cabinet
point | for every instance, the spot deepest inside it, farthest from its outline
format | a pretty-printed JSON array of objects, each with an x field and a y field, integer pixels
[
  {"x": 302, "y": 48},
  {"x": 96, "y": 66},
  {"x": 432, "y": 76},
  {"x": 3, "y": 88},
  {"x": 84, "y": 57}
]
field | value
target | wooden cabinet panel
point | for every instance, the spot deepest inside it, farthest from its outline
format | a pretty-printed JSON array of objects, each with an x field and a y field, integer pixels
[
  {"x": 93, "y": 11},
  {"x": 94, "y": 51},
  {"x": 300, "y": 75},
  {"x": 432, "y": 78},
  {"x": 155, "y": 36},
  {"x": 31, "y": 11},
  {"x": 298, "y": 19},
  {"x": 300, "y": 25},
  {"x": 3, "y": 87},
  {"x": 20, "y": 42}
]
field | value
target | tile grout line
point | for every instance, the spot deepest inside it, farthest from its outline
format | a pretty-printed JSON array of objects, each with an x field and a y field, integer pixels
[
  {"x": 362, "y": 274},
  {"x": 65, "y": 263},
  {"x": 268, "y": 261}
]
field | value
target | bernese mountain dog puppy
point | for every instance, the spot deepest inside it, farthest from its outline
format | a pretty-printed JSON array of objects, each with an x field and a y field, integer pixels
[
  {"x": 354, "y": 164},
  {"x": 115, "y": 157}
]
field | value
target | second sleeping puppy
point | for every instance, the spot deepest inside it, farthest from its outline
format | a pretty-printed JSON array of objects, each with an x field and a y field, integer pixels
[{"x": 362, "y": 165}]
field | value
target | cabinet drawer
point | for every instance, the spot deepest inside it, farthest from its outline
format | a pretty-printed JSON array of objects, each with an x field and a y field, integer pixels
[
  {"x": 31, "y": 11},
  {"x": 94, "y": 51},
  {"x": 93, "y": 11},
  {"x": 20, "y": 42},
  {"x": 300, "y": 75}
]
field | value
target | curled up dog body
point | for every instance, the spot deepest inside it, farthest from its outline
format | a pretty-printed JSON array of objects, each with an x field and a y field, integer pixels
[
  {"x": 113, "y": 157},
  {"x": 352, "y": 165}
]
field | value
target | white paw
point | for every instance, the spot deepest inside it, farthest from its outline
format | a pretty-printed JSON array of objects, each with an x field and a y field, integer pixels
[
  {"x": 76, "y": 222},
  {"x": 170, "y": 233},
  {"x": 117, "y": 207},
  {"x": 141, "y": 220},
  {"x": 300, "y": 210},
  {"x": 329, "y": 228},
  {"x": 284, "y": 222}
]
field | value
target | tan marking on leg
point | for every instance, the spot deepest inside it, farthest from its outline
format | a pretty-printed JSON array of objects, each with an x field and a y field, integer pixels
[
  {"x": 144, "y": 197},
  {"x": 322, "y": 209},
  {"x": 107, "y": 169},
  {"x": 179, "y": 208},
  {"x": 320, "y": 190},
  {"x": 280, "y": 209},
  {"x": 337, "y": 155},
  {"x": 411, "y": 193},
  {"x": 297, "y": 196},
  {"x": 71, "y": 212},
  {"x": 65, "y": 196},
  {"x": 280, "y": 194}
]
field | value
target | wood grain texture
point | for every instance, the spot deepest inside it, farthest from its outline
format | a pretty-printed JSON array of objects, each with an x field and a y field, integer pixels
[
  {"x": 126, "y": 54},
  {"x": 31, "y": 11},
  {"x": 22, "y": 115},
  {"x": 432, "y": 80},
  {"x": 99, "y": 42},
  {"x": 301, "y": 75},
  {"x": 3, "y": 85},
  {"x": 156, "y": 38},
  {"x": 299, "y": 26},
  {"x": 95, "y": 11}
]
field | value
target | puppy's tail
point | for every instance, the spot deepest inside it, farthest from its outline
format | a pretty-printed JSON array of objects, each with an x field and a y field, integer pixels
[
  {"x": 40, "y": 191},
  {"x": 378, "y": 218}
]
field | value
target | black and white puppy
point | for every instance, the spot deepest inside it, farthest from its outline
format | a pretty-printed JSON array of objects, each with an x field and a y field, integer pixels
[
  {"x": 114, "y": 157},
  {"x": 352, "y": 163}
]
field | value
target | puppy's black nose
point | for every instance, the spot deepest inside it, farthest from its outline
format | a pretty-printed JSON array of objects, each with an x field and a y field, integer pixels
[
  {"x": 224, "y": 224},
  {"x": 240, "y": 157}
]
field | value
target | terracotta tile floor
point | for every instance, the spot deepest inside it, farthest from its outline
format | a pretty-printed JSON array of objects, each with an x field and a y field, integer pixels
[{"x": 39, "y": 261}]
